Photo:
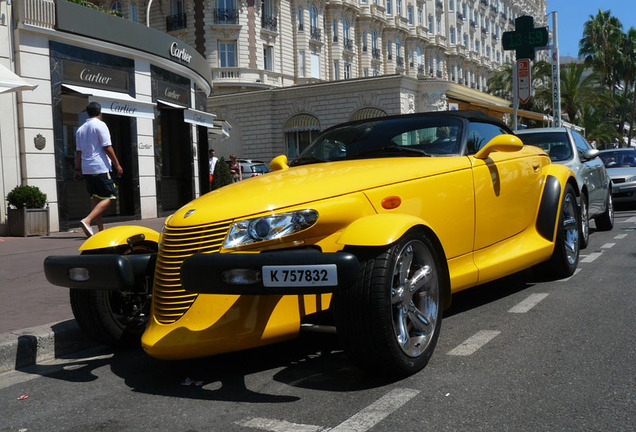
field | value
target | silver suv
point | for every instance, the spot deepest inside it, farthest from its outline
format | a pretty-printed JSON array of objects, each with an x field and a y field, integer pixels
[{"x": 566, "y": 146}]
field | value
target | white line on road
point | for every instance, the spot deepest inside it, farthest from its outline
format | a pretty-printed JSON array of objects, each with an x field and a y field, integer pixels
[
  {"x": 377, "y": 411},
  {"x": 573, "y": 274},
  {"x": 620, "y": 236},
  {"x": 629, "y": 220},
  {"x": 608, "y": 245},
  {"x": 360, "y": 422},
  {"x": 473, "y": 343},
  {"x": 591, "y": 257},
  {"x": 528, "y": 303},
  {"x": 278, "y": 425}
]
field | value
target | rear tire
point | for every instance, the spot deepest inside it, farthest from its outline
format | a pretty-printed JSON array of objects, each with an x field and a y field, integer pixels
[
  {"x": 605, "y": 221},
  {"x": 565, "y": 257},
  {"x": 110, "y": 317},
  {"x": 390, "y": 320}
]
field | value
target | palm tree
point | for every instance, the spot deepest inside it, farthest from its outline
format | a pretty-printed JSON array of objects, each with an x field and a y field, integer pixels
[
  {"x": 579, "y": 88},
  {"x": 628, "y": 77}
]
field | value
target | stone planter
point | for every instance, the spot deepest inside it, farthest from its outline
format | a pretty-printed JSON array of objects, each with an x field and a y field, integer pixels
[{"x": 28, "y": 222}]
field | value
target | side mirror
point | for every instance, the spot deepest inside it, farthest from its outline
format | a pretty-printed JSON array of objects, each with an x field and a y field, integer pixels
[
  {"x": 503, "y": 143},
  {"x": 279, "y": 163},
  {"x": 590, "y": 154}
]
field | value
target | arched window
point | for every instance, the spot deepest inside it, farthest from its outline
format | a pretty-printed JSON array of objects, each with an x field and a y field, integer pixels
[
  {"x": 116, "y": 7},
  {"x": 367, "y": 113},
  {"x": 300, "y": 130}
]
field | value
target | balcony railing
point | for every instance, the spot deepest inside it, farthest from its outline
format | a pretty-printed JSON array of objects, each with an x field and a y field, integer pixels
[
  {"x": 421, "y": 70},
  {"x": 226, "y": 16},
  {"x": 399, "y": 61},
  {"x": 316, "y": 34},
  {"x": 348, "y": 44},
  {"x": 376, "y": 54},
  {"x": 269, "y": 23},
  {"x": 40, "y": 13},
  {"x": 176, "y": 22}
]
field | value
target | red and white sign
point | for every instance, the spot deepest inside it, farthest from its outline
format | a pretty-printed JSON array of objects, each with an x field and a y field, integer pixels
[{"x": 523, "y": 80}]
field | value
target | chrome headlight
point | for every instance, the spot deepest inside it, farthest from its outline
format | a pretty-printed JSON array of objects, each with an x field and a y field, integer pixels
[
  {"x": 630, "y": 179},
  {"x": 270, "y": 227}
]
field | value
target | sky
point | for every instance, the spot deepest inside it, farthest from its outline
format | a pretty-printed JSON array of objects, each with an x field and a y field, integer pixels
[{"x": 572, "y": 14}]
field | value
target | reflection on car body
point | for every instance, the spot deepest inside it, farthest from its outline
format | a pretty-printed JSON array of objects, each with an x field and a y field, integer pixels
[{"x": 377, "y": 223}]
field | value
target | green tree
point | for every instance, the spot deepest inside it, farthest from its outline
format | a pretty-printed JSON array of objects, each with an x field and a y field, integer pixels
[
  {"x": 579, "y": 88},
  {"x": 222, "y": 176}
]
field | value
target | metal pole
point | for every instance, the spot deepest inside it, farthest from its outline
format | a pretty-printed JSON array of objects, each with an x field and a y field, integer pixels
[
  {"x": 515, "y": 95},
  {"x": 556, "y": 73}
]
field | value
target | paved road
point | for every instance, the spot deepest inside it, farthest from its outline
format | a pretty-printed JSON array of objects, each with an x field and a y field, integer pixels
[{"x": 517, "y": 354}]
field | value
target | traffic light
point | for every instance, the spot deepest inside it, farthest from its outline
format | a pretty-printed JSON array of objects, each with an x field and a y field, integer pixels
[{"x": 526, "y": 38}]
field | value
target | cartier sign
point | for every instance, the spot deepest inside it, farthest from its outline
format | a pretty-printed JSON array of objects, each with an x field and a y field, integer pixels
[
  {"x": 180, "y": 53},
  {"x": 94, "y": 76}
]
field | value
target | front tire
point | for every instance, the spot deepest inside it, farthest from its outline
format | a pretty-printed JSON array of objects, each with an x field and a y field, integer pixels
[
  {"x": 390, "y": 320},
  {"x": 110, "y": 317},
  {"x": 584, "y": 237},
  {"x": 605, "y": 221}
]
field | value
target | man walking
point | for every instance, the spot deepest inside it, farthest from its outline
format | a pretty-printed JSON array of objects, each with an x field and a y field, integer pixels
[
  {"x": 212, "y": 162},
  {"x": 93, "y": 160}
]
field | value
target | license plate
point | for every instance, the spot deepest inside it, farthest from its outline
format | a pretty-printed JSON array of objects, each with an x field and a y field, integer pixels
[{"x": 300, "y": 275}]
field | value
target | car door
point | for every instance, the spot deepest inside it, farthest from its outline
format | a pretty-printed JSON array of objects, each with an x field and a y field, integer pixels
[
  {"x": 507, "y": 187},
  {"x": 594, "y": 175}
]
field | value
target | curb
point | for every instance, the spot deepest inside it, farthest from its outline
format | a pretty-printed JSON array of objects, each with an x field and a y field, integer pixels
[{"x": 23, "y": 348}]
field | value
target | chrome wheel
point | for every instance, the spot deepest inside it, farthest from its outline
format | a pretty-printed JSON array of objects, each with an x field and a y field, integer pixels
[
  {"x": 414, "y": 298},
  {"x": 570, "y": 228}
]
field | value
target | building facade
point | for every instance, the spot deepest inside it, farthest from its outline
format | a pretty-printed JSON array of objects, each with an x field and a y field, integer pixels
[{"x": 153, "y": 89}]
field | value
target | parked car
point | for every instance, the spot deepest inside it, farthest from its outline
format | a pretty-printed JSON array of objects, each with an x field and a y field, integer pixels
[
  {"x": 567, "y": 147},
  {"x": 621, "y": 167},
  {"x": 251, "y": 168},
  {"x": 375, "y": 225}
]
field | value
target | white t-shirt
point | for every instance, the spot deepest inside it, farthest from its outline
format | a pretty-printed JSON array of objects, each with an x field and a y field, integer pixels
[
  {"x": 90, "y": 139},
  {"x": 213, "y": 161}
]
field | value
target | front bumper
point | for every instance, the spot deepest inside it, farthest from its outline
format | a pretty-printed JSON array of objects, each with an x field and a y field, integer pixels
[
  {"x": 624, "y": 191},
  {"x": 209, "y": 273},
  {"x": 100, "y": 272}
]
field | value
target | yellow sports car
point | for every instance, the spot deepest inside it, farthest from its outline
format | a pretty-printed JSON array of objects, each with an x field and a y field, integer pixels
[{"x": 376, "y": 224}]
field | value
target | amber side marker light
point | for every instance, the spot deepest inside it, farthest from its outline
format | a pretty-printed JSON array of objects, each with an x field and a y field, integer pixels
[{"x": 391, "y": 202}]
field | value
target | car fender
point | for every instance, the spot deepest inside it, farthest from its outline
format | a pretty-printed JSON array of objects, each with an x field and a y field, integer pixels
[
  {"x": 558, "y": 176},
  {"x": 378, "y": 229},
  {"x": 119, "y": 236}
]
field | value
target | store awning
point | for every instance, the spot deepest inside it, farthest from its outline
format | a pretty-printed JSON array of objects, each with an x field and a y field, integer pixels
[
  {"x": 170, "y": 104},
  {"x": 301, "y": 122},
  {"x": 115, "y": 102},
  {"x": 221, "y": 127},
  {"x": 11, "y": 82},
  {"x": 367, "y": 113}
]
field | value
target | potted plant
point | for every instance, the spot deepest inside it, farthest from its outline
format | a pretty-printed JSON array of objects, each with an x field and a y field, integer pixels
[{"x": 27, "y": 214}]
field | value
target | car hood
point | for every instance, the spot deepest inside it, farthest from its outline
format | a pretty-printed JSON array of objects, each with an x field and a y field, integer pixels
[
  {"x": 621, "y": 172},
  {"x": 307, "y": 183}
]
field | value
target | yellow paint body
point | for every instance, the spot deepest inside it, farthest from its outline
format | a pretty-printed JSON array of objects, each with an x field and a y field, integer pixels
[{"x": 483, "y": 212}]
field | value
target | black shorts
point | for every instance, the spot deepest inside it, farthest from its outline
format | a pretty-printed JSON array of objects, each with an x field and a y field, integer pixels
[{"x": 101, "y": 186}]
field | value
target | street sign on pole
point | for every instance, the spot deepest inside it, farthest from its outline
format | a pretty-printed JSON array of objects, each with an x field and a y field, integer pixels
[
  {"x": 523, "y": 80},
  {"x": 526, "y": 38},
  {"x": 556, "y": 74}
]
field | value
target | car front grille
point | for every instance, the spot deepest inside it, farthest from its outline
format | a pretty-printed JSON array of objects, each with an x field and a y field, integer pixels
[
  {"x": 618, "y": 180},
  {"x": 170, "y": 300}
]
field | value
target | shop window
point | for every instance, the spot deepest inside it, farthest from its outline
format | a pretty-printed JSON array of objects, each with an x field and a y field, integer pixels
[{"x": 227, "y": 54}]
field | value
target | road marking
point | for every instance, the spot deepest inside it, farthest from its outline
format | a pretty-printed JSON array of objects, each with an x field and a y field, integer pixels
[
  {"x": 377, "y": 411},
  {"x": 277, "y": 425},
  {"x": 591, "y": 257},
  {"x": 573, "y": 274},
  {"x": 608, "y": 245},
  {"x": 629, "y": 220},
  {"x": 620, "y": 236},
  {"x": 528, "y": 303},
  {"x": 473, "y": 343},
  {"x": 360, "y": 422}
]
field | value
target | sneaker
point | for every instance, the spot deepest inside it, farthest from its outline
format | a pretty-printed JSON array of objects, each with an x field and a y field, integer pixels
[{"x": 87, "y": 230}]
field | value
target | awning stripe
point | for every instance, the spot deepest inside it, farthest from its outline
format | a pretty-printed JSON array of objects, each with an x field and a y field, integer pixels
[
  {"x": 301, "y": 122},
  {"x": 367, "y": 113}
]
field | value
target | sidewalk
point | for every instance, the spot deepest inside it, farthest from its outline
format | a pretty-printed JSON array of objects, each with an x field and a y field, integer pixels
[{"x": 36, "y": 322}]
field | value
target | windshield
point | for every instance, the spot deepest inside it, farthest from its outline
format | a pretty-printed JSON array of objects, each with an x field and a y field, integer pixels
[
  {"x": 619, "y": 159},
  {"x": 555, "y": 144},
  {"x": 398, "y": 137}
]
